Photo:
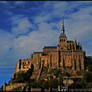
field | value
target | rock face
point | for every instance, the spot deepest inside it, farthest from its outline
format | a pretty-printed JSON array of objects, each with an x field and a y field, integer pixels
[{"x": 67, "y": 55}]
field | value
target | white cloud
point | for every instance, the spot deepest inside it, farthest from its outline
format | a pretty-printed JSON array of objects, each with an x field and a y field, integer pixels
[
  {"x": 19, "y": 2},
  {"x": 40, "y": 19},
  {"x": 21, "y": 26},
  {"x": 4, "y": 2},
  {"x": 77, "y": 25},
  {"x": 81, "y": 23},
  {"x": 7, "y": 58},
  {"x": 54, "y": 10},
  {"x": 5, "y": 42},
  {"x": 13, "y": 48},
  {"x": 36, "y": 40}
]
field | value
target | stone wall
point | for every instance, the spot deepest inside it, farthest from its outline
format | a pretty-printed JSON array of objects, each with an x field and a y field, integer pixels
[
  {"x": 23, "y": 65},
  {"x": 13, "y": 86}
]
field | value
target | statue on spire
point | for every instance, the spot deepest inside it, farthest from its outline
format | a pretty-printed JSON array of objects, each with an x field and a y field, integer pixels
[
  {"x": 63, "y": 29},
  {"x": 63, "y": 26}
]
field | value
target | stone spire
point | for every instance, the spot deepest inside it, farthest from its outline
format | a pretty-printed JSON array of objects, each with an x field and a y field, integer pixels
[{"x": 63, "y": 30}]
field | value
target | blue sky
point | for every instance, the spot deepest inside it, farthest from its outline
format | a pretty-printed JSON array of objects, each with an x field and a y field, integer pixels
[{"x": 28, "y": 26}]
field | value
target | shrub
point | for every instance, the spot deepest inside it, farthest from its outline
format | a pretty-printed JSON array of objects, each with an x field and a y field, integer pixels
[
  {"x": 33, "y": 84},
  {"x": 21, "y": 77},
  {"x": 87, "y": 78},
  {"x": 90, "y": 68},
  {"x": 56, "y": 72},
  {"x": 89, "y": 85},
  {"x": 45, "y": 85}
]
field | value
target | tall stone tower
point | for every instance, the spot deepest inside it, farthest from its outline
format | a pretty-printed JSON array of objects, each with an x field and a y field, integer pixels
[
  {"x": 70, "y": 54},
  {"x": 62, "y": 42}
]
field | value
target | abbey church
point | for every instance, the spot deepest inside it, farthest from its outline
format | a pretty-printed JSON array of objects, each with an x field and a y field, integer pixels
[{"x": 67, "y": 55}]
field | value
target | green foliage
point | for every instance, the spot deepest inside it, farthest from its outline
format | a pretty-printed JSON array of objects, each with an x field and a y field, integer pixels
[
  {"x": 45, "y": 69},
  {"x": 89, "y": 85},
  {"x": 90, "y": 68},
  {"x": 24, "y": 76},
  {"x": 21, "y": 77},
  {"x": 17, "y": 89},
  {"x": 53, "y": 83},
  {"x": 33, "y": 84},
  {"x": 87, "y": 78},
  {"x": 43, "y": 83},
  {"x": 67, "y": 74},
  {"x": 50, "y": 82},
  {"x": 56, "y": 72},
  {"x": 1, "y": 90},
  {"x": 76, "y": 79},
  {"x": 82, "y": 72},
  {"x": 60, "y": 82}
]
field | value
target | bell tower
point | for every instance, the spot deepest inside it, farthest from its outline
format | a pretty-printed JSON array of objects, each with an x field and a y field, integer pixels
[{"x": 62, "y": 41}]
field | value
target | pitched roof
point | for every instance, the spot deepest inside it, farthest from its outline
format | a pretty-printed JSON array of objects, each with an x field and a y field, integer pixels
[{"x": 62, "y": 35}]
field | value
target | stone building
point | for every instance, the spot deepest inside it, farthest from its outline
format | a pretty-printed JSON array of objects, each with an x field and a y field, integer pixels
[
  {"x": 23, "y": 65},
  {"x": 67, "y": 55}
]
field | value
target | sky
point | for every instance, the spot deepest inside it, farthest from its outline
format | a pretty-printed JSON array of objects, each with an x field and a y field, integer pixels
[{"x": 28, "y": 26}]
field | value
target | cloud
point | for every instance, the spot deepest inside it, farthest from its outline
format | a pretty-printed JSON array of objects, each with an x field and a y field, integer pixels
[
  {"x": 81, "y": 23},
  {"x": 46, "y": 30},
  {"x": 13, "y": 48},
  {"x": 36, "y": 40},
  {"x": 19, "y": 2},
  {"x": 41, "y": 19},
  {"x": 5, "y": 42},
  {"x": 21, "y": 26}
]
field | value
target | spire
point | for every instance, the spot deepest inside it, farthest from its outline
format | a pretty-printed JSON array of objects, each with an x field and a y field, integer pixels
[{"x": 63, "y": 30}]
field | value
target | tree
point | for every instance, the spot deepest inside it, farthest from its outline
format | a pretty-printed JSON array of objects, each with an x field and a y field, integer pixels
[
  {"x": 24, "y": 76},
  {"x": 89, "y": 85},
  {"x": 33, "y": 84},
  {"x": 56, "y": 72},
  {"x": 53, "y": 83},
  {"x": 90, "y": 68},
  {"x": 67, "y": 74},
  {"x": 45, "y": 85},
  {"x": 21, "y": 77},
  {"x": 87, "y": 78}
]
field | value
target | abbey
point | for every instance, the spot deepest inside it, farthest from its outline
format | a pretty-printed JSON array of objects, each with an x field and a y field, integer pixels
[{"x": 67, "y": 55}]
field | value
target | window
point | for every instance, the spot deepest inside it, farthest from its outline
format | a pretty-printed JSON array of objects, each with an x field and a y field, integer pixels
[{"x": 74, "y": 64}]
